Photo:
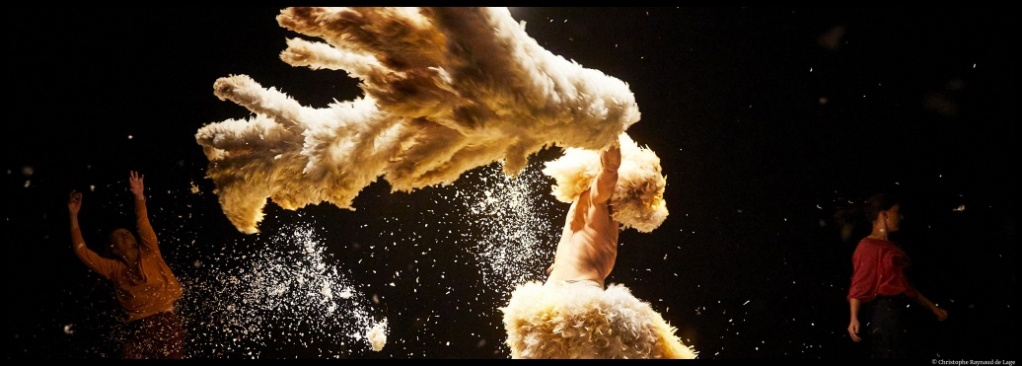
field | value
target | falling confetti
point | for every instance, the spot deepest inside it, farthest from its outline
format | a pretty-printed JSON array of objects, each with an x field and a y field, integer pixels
[
  {"x": 280, "y": 292},
  {"x": 511, "y": 235}
]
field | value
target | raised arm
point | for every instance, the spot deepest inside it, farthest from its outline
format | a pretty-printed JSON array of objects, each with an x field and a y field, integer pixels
[
  {"x": 137, "y": 185},
  {"x": 145, "y": 228},
  {"x": 74, "y": 205},
  {"x": 103, "y": 266},
  {"x": 603, "y": 185}
]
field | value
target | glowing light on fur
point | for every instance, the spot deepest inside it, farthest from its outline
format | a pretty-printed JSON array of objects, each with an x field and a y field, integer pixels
[
  {"x": 446, "y": 90},
  {"x": 638, "y": 198},
  {"x": 582, "y": 321}
]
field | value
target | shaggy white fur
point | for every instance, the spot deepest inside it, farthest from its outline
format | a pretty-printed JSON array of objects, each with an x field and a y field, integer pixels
[
  {"x": 377, "y": 335},
  {"x": 582, "y": 321},
  {"x": 638, "y": 199},
  {"x": 446, "y": 90}
]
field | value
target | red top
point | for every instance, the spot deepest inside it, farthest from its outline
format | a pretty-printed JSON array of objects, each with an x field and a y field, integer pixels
[{"x": 879, "y": 270}]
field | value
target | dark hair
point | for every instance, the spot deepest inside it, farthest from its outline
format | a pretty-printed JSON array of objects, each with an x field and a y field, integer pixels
[
  {"x": 854, "y": 217},
  {"x": 879, "y": 202}
]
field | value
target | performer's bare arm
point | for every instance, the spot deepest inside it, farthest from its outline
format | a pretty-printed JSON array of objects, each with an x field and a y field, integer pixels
[{"x": 579, "y": 221}]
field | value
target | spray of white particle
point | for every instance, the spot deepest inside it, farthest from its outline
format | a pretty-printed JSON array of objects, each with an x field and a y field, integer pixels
[
  {"x": 281, "y": 294},
  {"x": 511, "y": 222}
]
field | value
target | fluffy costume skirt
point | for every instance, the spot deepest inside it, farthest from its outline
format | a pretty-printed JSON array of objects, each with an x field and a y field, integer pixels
[{"x": 582, "y": 321}]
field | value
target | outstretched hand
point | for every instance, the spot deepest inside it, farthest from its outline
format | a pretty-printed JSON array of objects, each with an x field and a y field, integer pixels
[
  {"x": 611, "y": 157},
  {"x": 136, "y": 183},
  {"x": 74, "y": 202}
]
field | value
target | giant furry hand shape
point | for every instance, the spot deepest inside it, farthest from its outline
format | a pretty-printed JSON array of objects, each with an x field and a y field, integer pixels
[{"x": 446, "y": 90}]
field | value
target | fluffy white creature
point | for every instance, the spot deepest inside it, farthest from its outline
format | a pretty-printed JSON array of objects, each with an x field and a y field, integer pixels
[
  {"x": 446, "y": 90},
  {"x": 638, "y": 199},
  {"x": 583, "y": 321}
]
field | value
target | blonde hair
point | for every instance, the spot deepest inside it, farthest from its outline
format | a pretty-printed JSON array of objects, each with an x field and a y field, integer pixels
[{"x": 638, "y": 199}]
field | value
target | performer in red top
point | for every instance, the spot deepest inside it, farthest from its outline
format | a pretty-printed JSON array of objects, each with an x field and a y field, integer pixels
[{"x": 878, "y": 279}]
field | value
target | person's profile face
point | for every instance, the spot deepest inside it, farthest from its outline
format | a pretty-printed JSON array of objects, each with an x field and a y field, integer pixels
[{"x": 892, "y": 217}]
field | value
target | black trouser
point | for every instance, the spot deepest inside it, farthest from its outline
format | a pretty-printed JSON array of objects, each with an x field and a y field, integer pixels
[{"x": 888, "y": 330}]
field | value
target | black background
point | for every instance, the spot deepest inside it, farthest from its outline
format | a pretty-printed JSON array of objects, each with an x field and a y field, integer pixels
[{"x": 763, "y": 131}]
